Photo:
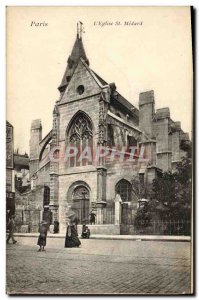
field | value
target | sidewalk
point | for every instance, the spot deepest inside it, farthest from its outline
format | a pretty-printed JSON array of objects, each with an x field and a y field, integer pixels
[{"x": 118, "y": 237}]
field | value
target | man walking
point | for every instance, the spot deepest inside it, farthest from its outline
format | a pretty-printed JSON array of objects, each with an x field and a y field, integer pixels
[{"x": 11, "y": 229}]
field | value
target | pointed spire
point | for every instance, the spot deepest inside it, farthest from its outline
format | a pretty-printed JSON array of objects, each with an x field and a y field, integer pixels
[
  {"x": 80, "y": 29},
  {"x": 77, "y": 52}
]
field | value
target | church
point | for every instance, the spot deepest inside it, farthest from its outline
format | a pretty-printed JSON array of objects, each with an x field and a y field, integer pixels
[{"x": 99, "y": 146}]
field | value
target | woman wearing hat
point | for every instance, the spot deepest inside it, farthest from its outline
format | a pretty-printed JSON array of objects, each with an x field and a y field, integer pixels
[
  {"x": 42, "y": 236},
  {"x": 71, "y": 239}
]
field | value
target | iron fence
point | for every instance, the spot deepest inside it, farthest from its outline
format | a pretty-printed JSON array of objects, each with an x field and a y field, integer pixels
[
  {"x": 108, "y": 215},
  {"x": 169, "y": 227}
]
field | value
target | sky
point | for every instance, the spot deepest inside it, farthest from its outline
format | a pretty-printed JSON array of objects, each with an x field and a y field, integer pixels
[{"x": 156, "y": 55}]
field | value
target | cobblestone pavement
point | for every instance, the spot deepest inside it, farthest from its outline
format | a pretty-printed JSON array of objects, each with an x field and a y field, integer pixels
[{"x": 99, "y": 267}]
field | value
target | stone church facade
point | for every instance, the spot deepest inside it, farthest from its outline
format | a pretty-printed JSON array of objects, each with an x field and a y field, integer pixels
[{"x": 98, "y": 145}]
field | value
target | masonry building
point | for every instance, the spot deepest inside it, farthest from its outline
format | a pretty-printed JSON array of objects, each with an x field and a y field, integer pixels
[
  {"x": 98, "y": 145},
  {"x": 10, "y": 185}
]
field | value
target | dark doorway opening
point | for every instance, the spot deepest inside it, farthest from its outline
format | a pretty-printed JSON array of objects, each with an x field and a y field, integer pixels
[{"x": 80, "y": 203}]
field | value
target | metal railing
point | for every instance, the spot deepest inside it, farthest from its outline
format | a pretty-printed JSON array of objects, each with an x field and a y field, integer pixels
[
  {"x": 108, "y": 215},
  {"x": 168, "y": 227}
]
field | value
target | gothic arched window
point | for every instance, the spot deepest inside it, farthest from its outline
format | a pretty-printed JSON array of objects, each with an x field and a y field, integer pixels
[
  {"x": 80, "y": 136},
  {"x": 124, "y": 189}
]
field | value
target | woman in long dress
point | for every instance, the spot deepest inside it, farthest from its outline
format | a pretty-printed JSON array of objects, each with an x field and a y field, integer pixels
[
  {"x": 72, "y": 239},
  {"x": 42, "y": 236}
]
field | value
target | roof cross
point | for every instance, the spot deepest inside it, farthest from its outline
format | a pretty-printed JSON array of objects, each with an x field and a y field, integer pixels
[{"x": 80, "y": 29}]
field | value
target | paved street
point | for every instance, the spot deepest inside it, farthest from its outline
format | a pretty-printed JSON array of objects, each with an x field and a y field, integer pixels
[{"x": 98, "y": 267}]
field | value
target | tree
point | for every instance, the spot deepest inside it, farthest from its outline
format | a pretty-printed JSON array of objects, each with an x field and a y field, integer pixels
[
  {"x": 139, "y": 187},
  {"x": 164, "y": 188},
  {"x": 183, "y": 189},
  {"x": 172, "y": 201},
  {"x": 174, "y": 190}
]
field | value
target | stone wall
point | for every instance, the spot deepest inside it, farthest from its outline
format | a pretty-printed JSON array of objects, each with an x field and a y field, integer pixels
[
  {"x": 81, "y": 77},
  {"x": 107, "y": 229},
  {"x": 9, "y": 180},
  {"x": 29, "y": 207},
  {"x": 43, "y": 175}
]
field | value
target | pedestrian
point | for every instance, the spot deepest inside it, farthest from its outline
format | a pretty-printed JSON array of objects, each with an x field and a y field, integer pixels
[
  {"x": 42, "y": 236},
  {"x": 11, "y": 229},
  {"x": 56, "y": 226},
  {"x": 92, "y": 217},
  {"x": 85, "y": 232},
  {"x": 71, "y": 239}
]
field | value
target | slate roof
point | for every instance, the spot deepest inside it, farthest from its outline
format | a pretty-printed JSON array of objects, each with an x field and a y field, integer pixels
[
  {"x": 77, "y": 52},
  {"x": 119, "y": 98},
  {"x": 127, "y": 104}
]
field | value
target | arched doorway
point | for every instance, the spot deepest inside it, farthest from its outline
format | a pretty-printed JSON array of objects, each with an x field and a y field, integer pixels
[{"x": 80, "y": 202}]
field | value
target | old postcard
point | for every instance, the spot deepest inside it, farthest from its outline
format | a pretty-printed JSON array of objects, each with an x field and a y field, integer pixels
[{"x": 99, "y": 151}]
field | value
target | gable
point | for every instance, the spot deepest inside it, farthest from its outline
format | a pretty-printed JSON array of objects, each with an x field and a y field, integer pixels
[{"x": 82, "y": 84}]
